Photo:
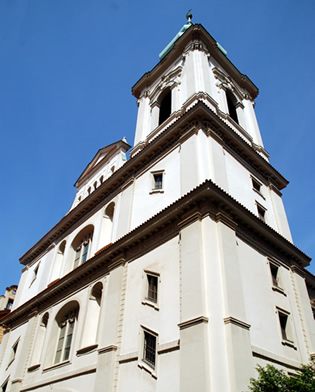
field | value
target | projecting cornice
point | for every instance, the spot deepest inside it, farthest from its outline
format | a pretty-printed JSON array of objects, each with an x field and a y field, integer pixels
[
  {"x": 198, "y": 36},
  {"x": 205, "y": 201},
  {"x": 199, "y": 116}
]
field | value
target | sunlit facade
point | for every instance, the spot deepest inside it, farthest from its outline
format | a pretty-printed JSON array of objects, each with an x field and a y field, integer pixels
[{"x": 174, "y": 270}]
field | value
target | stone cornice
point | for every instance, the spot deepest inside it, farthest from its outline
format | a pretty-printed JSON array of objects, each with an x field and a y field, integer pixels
[
  {"x": 208, "y": 199},
  {"x": 195, "y": 33},
  {"x": 199, "y": 115}
]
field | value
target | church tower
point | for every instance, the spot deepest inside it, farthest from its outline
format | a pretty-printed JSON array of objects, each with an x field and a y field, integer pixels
[{"x": 174, "y": 270}]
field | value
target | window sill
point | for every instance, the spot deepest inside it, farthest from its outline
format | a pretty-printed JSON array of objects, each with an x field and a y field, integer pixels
[
  {"x": 33, "y": 367},
  {"x": 259, "y": 193},
  {"x": 279, "y": 290},
  {"x": 57, "y": 365},
  {"x": 87, "y": 350},
  {"x": 150, "y": 303},
  {"x": 288, "y": 343},
  {"x": 156, "y": 191},
  {"x": 147, "y": 368}
]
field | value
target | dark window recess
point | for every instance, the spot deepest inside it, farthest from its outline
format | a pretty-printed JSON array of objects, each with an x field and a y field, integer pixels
[
  {"x": 261, "y": 213},
  {"x": 231, "y": 101},
  {"x": 274, "y": 273},
  {"x": 256, "y": 185},
  {"x": 9, "y": 304},
  {"x": 158, "y": 181},
  {"x": 165, "y": 107},
  {"x": 283, "y": 318},
  {"x": 152, "y": 288},
  {"x": 149, "y": 351}
]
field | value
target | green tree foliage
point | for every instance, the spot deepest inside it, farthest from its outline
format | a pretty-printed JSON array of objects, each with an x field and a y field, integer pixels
[{"x": 271, "y": 379}]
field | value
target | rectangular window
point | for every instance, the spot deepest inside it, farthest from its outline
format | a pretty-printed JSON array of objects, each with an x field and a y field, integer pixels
[
  {"x": 283, "y": 318},
  {"x": 274, "y": 274},
  {"x": 261, "y": 212},
  {"x": 285, "y": 328},
  {"x": 256, "y": 185},
  {"x": 9, "y": 304},
  {"x": 149, "y": 349},
  {"x": 157, "y": 179},
  {"x": 66, "y": 329},
  {"x": 85, "y": 251},
  {"x": 152, "y": 288}
]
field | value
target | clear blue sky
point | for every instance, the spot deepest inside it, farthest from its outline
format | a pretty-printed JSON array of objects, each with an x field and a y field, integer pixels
[{"x": 66, "y": 72}]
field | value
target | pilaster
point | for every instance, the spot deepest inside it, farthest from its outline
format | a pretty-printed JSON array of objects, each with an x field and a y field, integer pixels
[
  {"x": 194, "y": 340},
  {"x": 24, "y": 353},
  {"x": 238, "y": 344}
]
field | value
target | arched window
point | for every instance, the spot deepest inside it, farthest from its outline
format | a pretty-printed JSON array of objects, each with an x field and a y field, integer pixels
[
  {"x": 232, "y": 102},
  {"x": 165, "y": 106},
  {"x": 58, "y": 261},
  {"x": 66, "y": 320},
  {"x": 81, "y": 245},
  {"x": 107, "y": 226}
]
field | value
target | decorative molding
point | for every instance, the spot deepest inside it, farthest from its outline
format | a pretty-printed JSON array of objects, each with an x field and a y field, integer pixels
[
  {"x": 64, "y": 377},
  {"x": 129, "y": 357},
  {"x": 168, "y": 347},
  {"x": 193, "y": 322},
  {"x": 275, "y": 358},
  {"x": 107, "y": 349},
  {"x": 238, "y": 323},
  {"x": 169, "y": 80},
  {"x": 223, "y": 217},
  {"x": 33, "y": 367},
  {"x": 87, "y": 349},
  {"x": 225, "y": 82},
  {"x": 193, "y": 217},
  {"x": 273, "y": 188},
  {"x": 297, "y": 270}
]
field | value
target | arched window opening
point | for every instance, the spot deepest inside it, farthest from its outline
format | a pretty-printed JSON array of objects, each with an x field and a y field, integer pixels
[
  {"x": 232, "y": 102},
  {"x": 95, "y": 185},
  {"x": 82, "y": 245},
  {"x": 165, "y": 107},
  {"x": 109, "y": 211},
  {"x": 96, "y": 293},
  {"x": 62, "y": 247},
  {"x": 58, "y": 261},
  {"x": 66, "y": 320},
  {"x": 101, "y": 179}
]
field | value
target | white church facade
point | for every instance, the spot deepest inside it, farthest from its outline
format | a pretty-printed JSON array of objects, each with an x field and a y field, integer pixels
[{"x": 174, "y": 270}]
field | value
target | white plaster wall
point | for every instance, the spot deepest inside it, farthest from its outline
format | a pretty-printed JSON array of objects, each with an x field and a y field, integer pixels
[
  {"x": 7, "y": 369},
  {"x": 164, "y": 261},
  {"x": 241, "y": 189},
  {"x": 146, "y": 204},
  {"x": 261, "y": 304}
]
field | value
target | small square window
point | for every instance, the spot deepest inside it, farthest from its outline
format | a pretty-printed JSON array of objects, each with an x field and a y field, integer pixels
[
  {"x": 261, "y": 212},
  {"x": 157, "y": 181},
  {"x": 149, "y": 349}
]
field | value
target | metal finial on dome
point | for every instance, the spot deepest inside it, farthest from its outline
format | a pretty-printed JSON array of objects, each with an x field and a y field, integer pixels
[{"x": 189, "y": 16}]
